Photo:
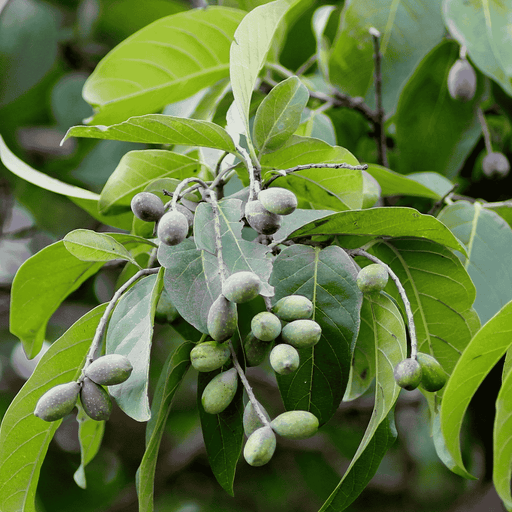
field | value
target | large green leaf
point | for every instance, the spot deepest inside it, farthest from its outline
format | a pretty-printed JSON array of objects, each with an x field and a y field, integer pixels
[
  {"x": 38, "y": 289},
  {"x": 488, "y": 239},
  {"x": 327, "y": 277},
  {"x": 24, "y": 438},
  {"x": 485, "y": 349},
  {"x": 319, "y": 24},
  {"x": 167, "y": 61},
  {"x": 412, "y": 24}
]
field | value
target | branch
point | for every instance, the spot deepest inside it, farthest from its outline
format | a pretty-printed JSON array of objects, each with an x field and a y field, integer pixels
[
  {"x": 254, "y": 173},
  {"x": 212, "y": 199},
  {"x": 485, "y": 130}
]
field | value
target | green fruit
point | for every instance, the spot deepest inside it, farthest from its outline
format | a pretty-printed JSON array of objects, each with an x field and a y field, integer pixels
[
  {"x": 241, "y": 287},
  {"x": 57, "y": 402},
  {"x": 462, "y": 81},
  {"x": 188, "y": 214},
  {"x": 165, "y": 311},
  {"x": 260, "y": 219},
  {"x": 301, "y": 333},
  {"x": 408, "y": 374},
  {"x": 255, "y": 350},
  {"x": 172, "y": 228},
  {"x": 251, "y": 420},
  {"x": 433, "y": 376},
  {"x": 495, "y": 165},
  {"x": 284, "y": 359},
  {"x": 95, "y": 400},
  {"x": 372, "y": 278},
  {"x": 260, "y": 446},
  {"x": 209, "y": 356},
  {"x": 371, "y": 190},
  {"x": 293, "y": 307},
  {"x": 147, "y": 206},
  {"x": 109, "y": 370},
  {"x": 266, "y": 326},
  {"x": 295, "y": 424},
  {"x": 220, "y": 391},
  {"x": 278, "y": 200},
  {"x": 222, "y": 319}
]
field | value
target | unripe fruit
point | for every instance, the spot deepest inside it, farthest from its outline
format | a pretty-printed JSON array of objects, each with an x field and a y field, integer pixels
[
  {"x": 295, "y": 424},
  {"x": 372, "y": 278},
  {"x": 251, "y": 420},
  {"x": 95, "y": 400},
  {"x": 260, "y": 219},
  {"x": 255, "y": 350},
  {"x": 284, "y": 359},
  {"x": 280, "y": 201},
  {"x": 495, "y": 165},
  {"x": 222, "y": 319},
  {"x": 57, "y": 402},
  {"x": 147, "y": 206},
  {"x": 293, "y": 307},
  {"x": 241, "y": 287},
  {"x": 371, "y": 190},
  {"x": 220, "y": 391},
  {"x": 188, "y": 214},
  {"x": 109, "y": 370},
  {"x": 433, "y": 376},
  {"x": 209, "y": 356},
  {"x": 266, "y": 326},
  {"x": 165, "y": 311},
  {"x": 172, "y": 228},
  {"x": 301, "y": 333},
  {"x": 462, "y": 81},
  {"x": 408, "y": 374},
  {"x": 260, "y": 446}
]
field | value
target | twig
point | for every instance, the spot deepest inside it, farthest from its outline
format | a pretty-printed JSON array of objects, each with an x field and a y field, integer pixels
[
  {"x": 441, "y": 201},
  {"x": 254, "y": 174},
  {"x": 219, "y": 186},
  {"x": 212, "y": 199},
  {"x": 177, "y": 193},
  {"x": 306, "y": 65},
  {"x": 485, "y": 130}
]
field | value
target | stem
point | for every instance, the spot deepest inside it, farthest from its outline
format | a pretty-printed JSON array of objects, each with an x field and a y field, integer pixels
[
  {"x": 254, "y": 174},
  {"x": 181, "y": 186},
  {"x": 100, "y": 330},
  {"x": 445, "y": 199},
  {"x": 212, "y": 199},
  {"x": 485, "y": 130},
  {"x": 306, "y": 65},
  {"x": 403, "y": 295}
]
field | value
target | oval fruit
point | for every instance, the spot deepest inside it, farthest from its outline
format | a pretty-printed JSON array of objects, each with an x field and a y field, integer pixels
[
  {"x": 295, "y": 424},
  {"x": 266, "y": 326},
  {"x": 371, "y": 190},
  {"x": 255, "y": 350},
  {"x": 188, "y": 214},
  {"x": 241, "y": 287},
  {"x": 433, "y": 376},
  {"x": 408, "y": 374},
  {"x": 251, "y": 420},
  {"x": 284, "y": 359},
  {"x": 495, "y": 165},
  {"x": 302, "y": 333},
  {"x": 95, "y": 400},
  {"x": 260, "y": 446},
  {"x": 462, "y": 81},
  {"x": 172, "y": 228},
  {"x": 260, "y": 219},
  {"x": 147, "y": 206},
  {"x": 293, "y": 307},
  {"x": 372, "y": 279},
  {"x": 109, "y": 370},
  {"x": 280, "y": 201},
  {"x": 222, "y": 319},
  {"x": 209, "y": 356},
  {"x": 165, "y": 311},
  {"x": 57, "y": 402},
  {"x": 220, "y": 391}
]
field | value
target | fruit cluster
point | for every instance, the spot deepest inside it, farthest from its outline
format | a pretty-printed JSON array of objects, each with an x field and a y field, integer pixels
[{"x": 424, "y": 371}]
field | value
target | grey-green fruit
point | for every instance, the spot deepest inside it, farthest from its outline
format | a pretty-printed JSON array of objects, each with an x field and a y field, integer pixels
[
  {"x": 165, "y": 311},
  {"x": 109, "y": 370},
  {"x": 372, "y": 279},
  {"x": 222, "y": 319},
  {"x": 172, "y": 228},
  {"x": 220, "y": 391},
  {"x": 255, "y": 350},
  {"x": 284, "y": 359},
  {"x": 57, "y": 402},
  {"x": 301, "y": 333},
  {"x": 371, "y": 190},
  {"x": 147, "y": 206},
  {"x": 95, "y": 400},
  {"x": 462, "y": 81},
  {"x": 188, "y": 214},
  {"x": 266, "y": 326},
  {"x": 433, "y": 376},
  {"x": 495, "y": 165},
  {"x": 260, "y": 219},
  {"x": 251, "y": 420},
  {"x": 293, "y": 307},
  {"x": 241, "y": 287},
  {"x": 280, "y": 201},
  {"x": 260, "y": 446},
  {"x": 295, "y": 424},
  {"x": 209, "y": 356},
  {"x": 408, "y": 374}
]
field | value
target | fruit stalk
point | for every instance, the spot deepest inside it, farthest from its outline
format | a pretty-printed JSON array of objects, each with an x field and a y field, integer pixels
[
  {"x": 212, "y": 199},
  {"x": 485, "y": 130},
  {"x": 177, "y": 193},
  {"x": 254, "y": 174}
]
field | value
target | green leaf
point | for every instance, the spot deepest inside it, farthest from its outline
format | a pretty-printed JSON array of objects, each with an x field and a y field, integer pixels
[
  {"x": 502, "y": 208},
  {"x": 318, "y": 24},
  {"x": 38, "y": 289},
  {"x": 434, "y": 181},
  {"x": 488, "y": 239},
  {"x": 355, "y": 228},
  {"x": 136, "y": 170},
  {"x": 249, "y": 50},
  {"x": 24, "y": 438},
  {"x": 129, "y": 333},
  {"x": 173, "y": 372},
  {"x": 160, "y": 129},
  {"x": 294, "y": 221},
  {"x": 167, "y": 61},
  {"x": 328, "y": 278},
  {"x": 87, "y": 245},
  {"x": 318, "y": 126},
  {"x": 279, "y": 114},
  {"x": 485, "y": 349},
  {"x": 482, "y": 27}
]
